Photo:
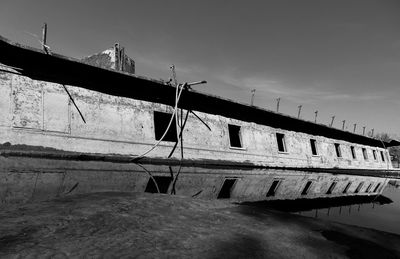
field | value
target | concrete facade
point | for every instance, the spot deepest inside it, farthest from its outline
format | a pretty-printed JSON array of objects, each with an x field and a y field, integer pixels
[{"x": 37, "y": 113}]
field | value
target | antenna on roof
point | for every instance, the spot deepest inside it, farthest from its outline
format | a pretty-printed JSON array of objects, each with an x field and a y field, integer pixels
[
  {"x": 316, "y": 115},
  {"x": 355, "y": 126},
  {"x": 278, "y": 100},
  {"x": 372, "y": 133},
  {"x": 44, "y": 39},
  {"x": 344, "y": 122},
  {"x": 252, "y": 96},
  {"x": 363, "y": 130},
  {"x": 298, "y": 114},
  {"x": 333, "y": 118}
]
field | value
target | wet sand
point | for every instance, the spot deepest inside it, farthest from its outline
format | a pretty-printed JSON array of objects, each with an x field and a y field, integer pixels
[{"x": 142, "y": 225}]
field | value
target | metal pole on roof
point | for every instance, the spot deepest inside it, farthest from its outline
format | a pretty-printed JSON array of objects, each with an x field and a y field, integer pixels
[
  {"x": 44, "y": 37},
  {"x": 344, "y": 122},
  {"x": 252, "y": 96},
  {"x": 278, "y": 100},
  {"x": 315, "y": 118},
  {"x": 372, "y": 133},
  {"x": 355, "y": 126},
  {"x": 333, "y": 118},
  {"x": 363, "y": 130},
  {"x": 298, "y": 114}
]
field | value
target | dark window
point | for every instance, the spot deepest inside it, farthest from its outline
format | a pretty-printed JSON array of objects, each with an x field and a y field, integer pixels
[
  {"x": 234, "y": 135},
  {"x": 376, "y": 188},
  {"x": 161, "y": 121},
  {"x": 274, "y": 187},
  {"x": 359, "y": 187},
  {"x": 313, "y": 143},
  {"x": 338, "y": 151},
  {"x": 226, "y": 189},
  {"x": 353, "y": 152},
  {"x": 163, "y": 183},
  {"x": 368, "y": 188},
  {"x": 382, "y": 156},
  {"x": 365, "y": 155},
  {"x": 280, "y": 138},
  {"x": 331, "y": 188},
  {"x": 306, "y": 188},
  {"x": 374, "y": 154},
  {"x": 347, "y": 187}
]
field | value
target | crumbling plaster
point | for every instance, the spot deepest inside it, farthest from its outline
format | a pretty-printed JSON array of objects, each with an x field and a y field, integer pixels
[{"x": 40, "y": 114}]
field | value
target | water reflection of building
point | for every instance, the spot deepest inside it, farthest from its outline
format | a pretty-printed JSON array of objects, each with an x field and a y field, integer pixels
[{"x": 42, "y": 180}]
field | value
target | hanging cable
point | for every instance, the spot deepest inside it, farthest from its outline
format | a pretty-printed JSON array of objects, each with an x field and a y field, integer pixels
[{"x": 182, "y": 86}]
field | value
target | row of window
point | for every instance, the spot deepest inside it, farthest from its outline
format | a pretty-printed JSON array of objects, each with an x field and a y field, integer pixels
[
  {"x": 162, "y": 119},
  {"x": 235, "y": 141},
  {"x": 276, "y": 183}
]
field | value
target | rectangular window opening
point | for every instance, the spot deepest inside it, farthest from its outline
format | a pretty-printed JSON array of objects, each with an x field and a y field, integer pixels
[
  {"x": 337, "y": 149},
  {"x": 359, "y": 187},
  {"x": 306, "y": 188},
  {"x": 331, "y": 188},
  {"x": 353, "y": 152},
  {"x": 382, "y": 156},
  {"x": 226, "y": 189},
  {"x": 235, "y": 138},
  {"x": 313, "y": 143},
  {"x": 161, "y": 121},
  {"x": 374, "y": 154},
  {"x": 376, "y": 188},
  {"x": 347, "y": 187},
  {"x": 365, "y": 155},
  {"x": 280, "y": 138},
  {"x": 163, "y": 183},
  {"x": 273, "y": 188}
]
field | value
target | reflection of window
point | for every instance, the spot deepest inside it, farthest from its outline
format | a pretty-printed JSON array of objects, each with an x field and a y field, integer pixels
[
  {"x": 368, "y": 188},
  {"x": 347, "y": 187},
  {"x": 274, "y": 187},
  {"x": 226, "y": 189},
  {"x": 353, "y": 152},
  {"x": 359, "y": 187},
  {"x": 331, "y": 188},
  {"x": 382, "y": 156},
  {"x": 337, "y": 149},
  {"x": 313, "y": 144},
  {"x": 306, "y": 188},
  {"x": 158, "y": 184},
  {"x": 376, "y": 188},
  {"x": 235, "y": 138},
  {"x": 365, "y": 155},
  {"x": 280, "y": 138},
  {"x": 161, "y": 121}
]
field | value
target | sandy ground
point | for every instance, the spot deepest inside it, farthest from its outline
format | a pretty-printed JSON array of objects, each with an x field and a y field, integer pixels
[{"x": 141, "y": 225}]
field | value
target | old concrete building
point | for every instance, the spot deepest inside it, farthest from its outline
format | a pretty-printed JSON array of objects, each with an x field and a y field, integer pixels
[{"x": 125, "y": 116}]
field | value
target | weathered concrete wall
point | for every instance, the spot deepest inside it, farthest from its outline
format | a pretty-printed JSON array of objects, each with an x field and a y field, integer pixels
[
  {"x": 40, "y": 114},
  {"x": 28, "y": 179}
]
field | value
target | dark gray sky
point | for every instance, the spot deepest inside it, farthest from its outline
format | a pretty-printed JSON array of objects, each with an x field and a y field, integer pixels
[{"x": 339, "y": 57}]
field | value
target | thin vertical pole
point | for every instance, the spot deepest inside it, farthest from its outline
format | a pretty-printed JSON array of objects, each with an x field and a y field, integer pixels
[
  {"x": 44, "y": 37},
  {"x": 278, "y": 100},
  {"x": 252, "y": 96},
  {"x": 355, "y": 126},
  {"x": 298, "y": 114},
  {"x": 363, "y": 130},
  {"x": 333, "y": 118},
  {"x": 316, "y": 115},
  {"x": 344, "y": 122}
]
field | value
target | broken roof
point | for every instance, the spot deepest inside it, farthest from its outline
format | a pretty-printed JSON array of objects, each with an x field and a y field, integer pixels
[{"x": 56, "y": 68}]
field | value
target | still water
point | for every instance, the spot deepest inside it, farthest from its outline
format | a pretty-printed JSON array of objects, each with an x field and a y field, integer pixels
[{"x": 381, "y": 213}]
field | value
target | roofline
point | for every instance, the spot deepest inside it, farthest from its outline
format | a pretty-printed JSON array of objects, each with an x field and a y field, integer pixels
[{"x": 66, "y": 70}]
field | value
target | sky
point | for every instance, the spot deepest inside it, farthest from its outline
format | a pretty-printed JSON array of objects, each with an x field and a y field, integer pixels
[{"x": 341, "y": 58}]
